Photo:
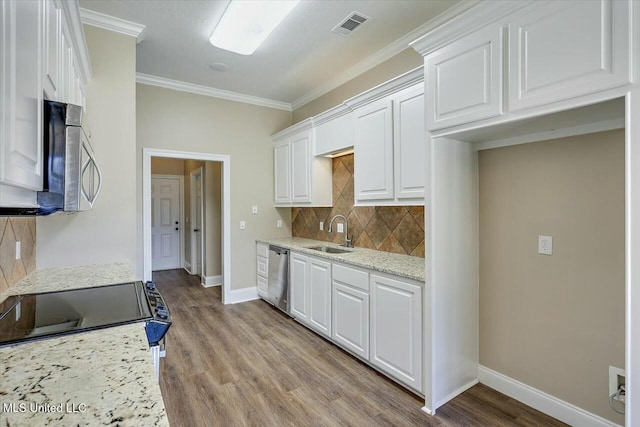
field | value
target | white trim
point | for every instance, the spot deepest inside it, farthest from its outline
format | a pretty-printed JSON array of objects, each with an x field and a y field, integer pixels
[
  {"x": 456, "y": 392},
  {"x": 242, "y": 295},
  {"x": 383, "y": 54},
  {"x": 147, "y": 79},
  {"x": 563, "y": 132},
  {"x": 111, "y": 23},
  {"x": 194, "y": 257},
  {"x": 550, "y": 405},
  {"x": 396, "y": 84},
  {"x": 147, "y": 153},
  {"x": 211, "y": 281},
  {"x": 180, "y": 179},
  {"x": 306, "y": 124},
  {"x": 76, "y": 34}
]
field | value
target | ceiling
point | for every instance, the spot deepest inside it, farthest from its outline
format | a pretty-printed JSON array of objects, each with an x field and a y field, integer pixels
[{"x": 299, "y": 61}]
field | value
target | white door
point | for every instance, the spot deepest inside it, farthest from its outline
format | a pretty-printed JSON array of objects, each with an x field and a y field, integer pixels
[
  {"x": 301, "y": 168},
  {"x": 320, "y": 296},
  {"x": 165, "y": 223},
  {"x": 281, "y": 170}
]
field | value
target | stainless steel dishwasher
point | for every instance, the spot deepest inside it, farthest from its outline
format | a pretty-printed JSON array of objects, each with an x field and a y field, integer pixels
[{"x": 278, "y": 286}]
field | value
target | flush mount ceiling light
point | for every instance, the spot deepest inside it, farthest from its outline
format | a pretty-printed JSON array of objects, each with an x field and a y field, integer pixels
[{"x": 247, "y": 23}]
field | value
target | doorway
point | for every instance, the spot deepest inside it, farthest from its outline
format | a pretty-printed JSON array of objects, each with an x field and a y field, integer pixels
[
  {"x": 222, "y": 163},
  {"x": 197, "y": 223}
]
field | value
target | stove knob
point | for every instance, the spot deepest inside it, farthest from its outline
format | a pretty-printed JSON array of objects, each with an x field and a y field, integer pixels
[
  {"x": 163, "y": 314},
  {"x": 150, "y": 285},
  {"x": 160, "y": 307}
]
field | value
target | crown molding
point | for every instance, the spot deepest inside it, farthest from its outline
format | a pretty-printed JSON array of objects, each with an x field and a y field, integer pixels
[
  {"x": 305, "y": 125},
  {"x": 111, "y": 23},
  {"x": 74, "y": 30},
  {"x": 331, "y": 114},
  {"x": 389, "y": 87},
  {"x": 382, "y": 55},
  {"x": 481, "y": 15},
  {"x": 147, "y": 79}
]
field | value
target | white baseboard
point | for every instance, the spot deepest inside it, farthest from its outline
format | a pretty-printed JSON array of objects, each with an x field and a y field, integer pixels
[
  {"x": 211, "y": 281},
  {"x": 427, "y": 410},
  {"x": 187, "y": 267},
  {"x": 543, "y": 402},
  {"x": 235, "y": 296}
]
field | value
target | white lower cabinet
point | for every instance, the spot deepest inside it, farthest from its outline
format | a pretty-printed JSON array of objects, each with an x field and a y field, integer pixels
[
  {"x": 396, "y": 329},
  {"x": 376, "y": 317},
  {"x": 350, "y": 298}
]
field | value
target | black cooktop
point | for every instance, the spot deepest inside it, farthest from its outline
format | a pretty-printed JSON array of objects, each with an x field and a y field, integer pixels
[{"x": 34, "y": 316}]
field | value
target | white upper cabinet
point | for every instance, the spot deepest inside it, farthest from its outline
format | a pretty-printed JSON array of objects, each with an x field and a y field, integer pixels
[
  {"x": 52, "y": 50},
  {"x": 464, "y": 79},
  {"x": 373, "y": 159},
  {"x": 282, "y": 170},
  {"x": 409, "y": 143},
  {"x": 334, "y": 130},
  {"x": 20, "y": 102},
  {"x": 300, "y": 179},
  {"x": 563, "y": 49},
  {"x": 301, "y": 167}
]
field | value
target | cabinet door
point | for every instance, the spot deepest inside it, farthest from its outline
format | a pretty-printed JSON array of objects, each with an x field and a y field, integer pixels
[
  {"x": 298, "y": 287},
  {"x": 409, "y": 143},
  {"x": 301, "y": 168},
  {"x": 281, "y": 169},
  {"x": 262, "y": 266},
  {"x": 396, "y": 329},
  {"x": 320, "y": 296},
  {"x": 350, "y": 299},
  {"x": 464, "y": 80},
  {"x": 559, "y": 50},
  {"x": 21, "y": 94},
  {"x": 373, "y": 169},
  {"x": 52, "y": 50}
]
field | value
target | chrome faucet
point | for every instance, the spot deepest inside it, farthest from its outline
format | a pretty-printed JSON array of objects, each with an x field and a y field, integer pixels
[{"x": 347, "y": 240}]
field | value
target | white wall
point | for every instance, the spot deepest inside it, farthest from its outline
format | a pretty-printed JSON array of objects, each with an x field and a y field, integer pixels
[
  {"x": 107, "y": 233},
  {"x": 173, "y": 120}
]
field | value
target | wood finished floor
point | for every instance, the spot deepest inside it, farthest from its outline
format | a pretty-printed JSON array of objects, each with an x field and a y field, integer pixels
[{"x": 249, "y": 365}]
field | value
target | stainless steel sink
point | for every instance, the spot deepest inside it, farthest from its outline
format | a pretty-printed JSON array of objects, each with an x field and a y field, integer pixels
[{"x": 332, "y": 249}]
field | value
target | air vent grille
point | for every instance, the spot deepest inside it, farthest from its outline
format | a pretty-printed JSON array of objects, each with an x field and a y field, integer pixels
[{"x": 350, "y": 23}]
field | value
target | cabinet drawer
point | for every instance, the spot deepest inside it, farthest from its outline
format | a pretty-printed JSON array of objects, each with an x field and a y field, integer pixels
[
  {"x": 351, "y": 276},
  {"x": 263, "y": 250},
  {"x": 262, "y": 266},
  {"x": 262, "y": 286}
]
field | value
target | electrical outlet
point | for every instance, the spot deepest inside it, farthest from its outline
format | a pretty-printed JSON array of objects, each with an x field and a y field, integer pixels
[
  {"x": 279, "y": 223},
  {"x": 616, "y": 379},
  {"x": 18, "y": 248},
  {"x": 321, "y": 225},
  {"x": 254, "y": 210},
  {"x": 340, "y": 228},
  {"x": 545, "y": 245},
  {"x": 243, "y": 225}
]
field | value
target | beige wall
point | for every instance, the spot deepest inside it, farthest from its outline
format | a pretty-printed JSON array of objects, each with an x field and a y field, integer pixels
[
  {"x": 554, "y": 322},
  {"x": 166, "y": 166},
  {"x": 107, "y": 233},
  {"x": 173, "y": 120},
  {"x": 405, "y": 61}
]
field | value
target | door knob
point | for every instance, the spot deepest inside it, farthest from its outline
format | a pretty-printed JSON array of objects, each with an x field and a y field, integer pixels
[{"x": 196, "y": 229}]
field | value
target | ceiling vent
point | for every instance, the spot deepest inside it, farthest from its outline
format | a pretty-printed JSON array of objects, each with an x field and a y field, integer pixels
[{"x": 350, "y": 24}]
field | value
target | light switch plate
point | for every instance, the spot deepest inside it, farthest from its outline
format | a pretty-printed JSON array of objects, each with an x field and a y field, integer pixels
[
  {"x": 340, "y": 228},
  {"x": 321, "y": 225},
  {"x": 254, "y": 210},
  {"x": 18, "y": 248},
  {"x": 243, "y": 225},
  {"x": 545, "y": 245},
  {"x": 279, "y": 223}
]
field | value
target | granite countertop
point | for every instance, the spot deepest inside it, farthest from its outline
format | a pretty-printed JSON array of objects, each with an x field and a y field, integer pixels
[
  {"x": 406, "y": 266},
  {"x": 103, "y": 377}
]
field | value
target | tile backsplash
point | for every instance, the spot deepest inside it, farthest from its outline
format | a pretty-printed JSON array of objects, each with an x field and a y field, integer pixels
[
  {"x": 398, "y": 229},
  {"x": 12, "y": 230}
]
